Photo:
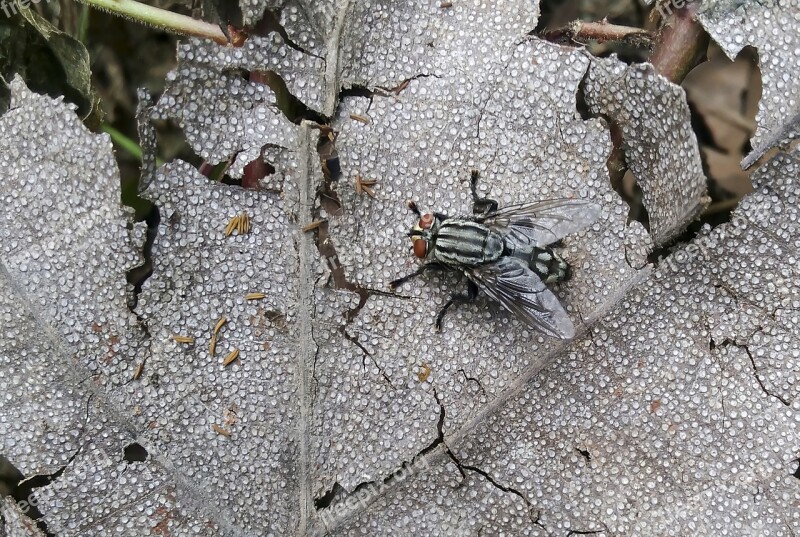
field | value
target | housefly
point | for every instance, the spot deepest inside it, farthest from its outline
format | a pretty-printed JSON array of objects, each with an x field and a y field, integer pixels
[{"x": 505, "y": 253}]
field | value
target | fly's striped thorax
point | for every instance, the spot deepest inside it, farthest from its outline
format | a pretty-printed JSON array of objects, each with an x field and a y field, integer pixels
[{"x": 467, "y": 243}]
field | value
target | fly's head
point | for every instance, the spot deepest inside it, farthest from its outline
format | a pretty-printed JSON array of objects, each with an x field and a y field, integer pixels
[{"x": 423, "y": 232}]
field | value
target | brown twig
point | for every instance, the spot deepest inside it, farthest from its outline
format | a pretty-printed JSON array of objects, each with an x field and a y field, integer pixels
[
  {"x": 363, "y": 185},
  {"x": 723, "y": 206},
  {"x": 681, "y": 43},
  {"x": 601, "y": 32}
]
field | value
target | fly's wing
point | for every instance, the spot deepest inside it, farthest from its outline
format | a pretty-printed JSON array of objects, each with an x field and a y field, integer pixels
[
  {"x": 518, "y": 289},
  {"x": 543, "y": 222}
]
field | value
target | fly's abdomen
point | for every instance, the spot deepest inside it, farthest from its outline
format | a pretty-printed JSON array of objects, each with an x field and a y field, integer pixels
[
  {"x": 466, "y": 243},
  {"x": 548, "y": 265},
  {"x": 545, "y": 262}
]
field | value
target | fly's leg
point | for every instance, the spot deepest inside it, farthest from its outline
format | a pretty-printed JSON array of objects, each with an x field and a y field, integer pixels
[
  {"x": 427, "y": 266},
  {"x": 480, "y": 205},
  {"x": 414, "y": 208},
  {"x": 468, "y": 296}
]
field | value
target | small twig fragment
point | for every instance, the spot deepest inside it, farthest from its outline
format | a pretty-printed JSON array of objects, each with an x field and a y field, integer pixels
[
  {"x": 601, "y": 32},
  {"x": 254, "y": 296},
  {"x": 220, "y": 430},
  {"x": 182, "y": 339},
  {"x": 233, "y": 355},
  {"x": 212, "y": 345},
  {"x": 220, "y": 324},
  {"x": 312, "y": 226},
  {"x": 681, "y": 44},
  {"x": 364, "y": 186},
  {"x": 138, "y": 372},
  {"x": 360, "y": 118},
  {"x": 239, "y": 223}
]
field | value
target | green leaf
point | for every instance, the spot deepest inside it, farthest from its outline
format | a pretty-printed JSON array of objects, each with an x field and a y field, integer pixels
[{"x": 49, "y": 60}]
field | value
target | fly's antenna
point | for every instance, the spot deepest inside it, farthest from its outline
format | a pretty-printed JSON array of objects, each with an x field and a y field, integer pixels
[{"x": 412, "y": 205}]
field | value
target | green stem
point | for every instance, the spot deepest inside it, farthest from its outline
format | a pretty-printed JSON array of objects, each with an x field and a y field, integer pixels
[
  {"x": 125, "y": 143},
  {"x": 160, "y": 18},
  {"x": 83, "y": 24}
]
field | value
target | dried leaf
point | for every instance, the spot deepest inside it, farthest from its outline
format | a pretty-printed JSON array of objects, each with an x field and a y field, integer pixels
[
  {"x": 338, "y": 433},
  {"x": 770, "y": 27},
  {"x": 657, "y": 139}
]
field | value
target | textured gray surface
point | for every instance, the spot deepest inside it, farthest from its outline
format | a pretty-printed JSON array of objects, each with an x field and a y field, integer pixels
[
  {"x": 772, "y": 28},
  {"x": 528, "y": 143},
  {"x": 362, "y": 409},
  {"x": 70, "y": 341},
  {"x": 677, "y": 414},
  {"x": 248, "y": 116},
  {"x": 199, "y": 277},
  {"x": 13, "y": 522},
  {"x": 659, "y": 145},
  {"x": 65, "y": 249}
]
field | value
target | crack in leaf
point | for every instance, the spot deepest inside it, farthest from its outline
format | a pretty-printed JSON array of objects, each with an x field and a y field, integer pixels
[
  {"x": 337, "y": 495},
  {"x": 328, "y": 251},
  {"x": 400, "y": 87},
  {"x": 271, "y": 22},
  {"x": 440, "y": 440},
  {"x": 25, "y": 487},
  {"x": 294, "y": 109},
  {"x": 586, "y": 532},
  {"x": 758, "y": 377},
  {"x": 726, "y": 342},
  {"x": 354, "y": 340}
]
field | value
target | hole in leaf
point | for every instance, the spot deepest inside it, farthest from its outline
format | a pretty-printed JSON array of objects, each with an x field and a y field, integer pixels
[
  {"x": 356, "y": 91},
  {"x": 256, "y": 170},
  {"x": 622, "y": 179},
  {"x": 723, "y": 98},
  {"x": 325, "y": 500},
  {"x": 293, "y": 108},
  {"x": 134, "y": 452},
  {"x": 13, "y": 483},
  {"x": 558, "y": 14}
]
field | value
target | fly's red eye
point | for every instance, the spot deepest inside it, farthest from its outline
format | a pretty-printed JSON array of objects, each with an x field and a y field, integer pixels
[
  {"x": 426, "y": 221},
  {"x": 420, "y": 248}
]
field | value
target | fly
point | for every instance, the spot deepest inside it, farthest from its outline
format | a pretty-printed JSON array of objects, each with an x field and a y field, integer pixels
[{"x": 505, "y": 253}]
